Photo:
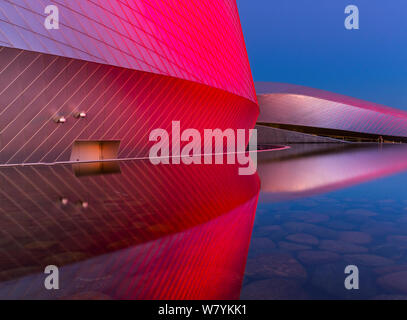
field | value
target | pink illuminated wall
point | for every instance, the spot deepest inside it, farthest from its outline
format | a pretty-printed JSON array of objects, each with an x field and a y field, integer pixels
[
  {"x": 131, "y": 66},
  {"x": 197, "y": 40}
]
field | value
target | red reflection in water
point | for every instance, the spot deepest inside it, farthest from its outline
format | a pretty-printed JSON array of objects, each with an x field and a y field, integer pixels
[{"x": 148, "y": 232}]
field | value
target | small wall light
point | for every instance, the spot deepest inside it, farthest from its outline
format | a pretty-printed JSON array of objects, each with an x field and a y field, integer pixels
[
  {"x": 60, "y": 119},
  {"x": 64, "y": 201},
  {"x": 80, "y": 115},
  {"x": 84, "y": 204}
]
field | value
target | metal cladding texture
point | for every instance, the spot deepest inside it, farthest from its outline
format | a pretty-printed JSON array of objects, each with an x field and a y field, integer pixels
[
  {"x": 297, "y": 105},
  {"x": 194, "y": 40},
  {"x": 132, "y": 66}
]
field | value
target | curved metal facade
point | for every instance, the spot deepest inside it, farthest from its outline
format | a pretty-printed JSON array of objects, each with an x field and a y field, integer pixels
[
  {"x": 302, "y": 106},
  {"x": 132, "y": 66},
  {"x": 194, "y": 40}
]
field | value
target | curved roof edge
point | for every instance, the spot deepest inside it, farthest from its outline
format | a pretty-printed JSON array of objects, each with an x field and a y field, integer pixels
[
  {"x": 263, "y": 88},
  {"x": 187, "y": 39}
]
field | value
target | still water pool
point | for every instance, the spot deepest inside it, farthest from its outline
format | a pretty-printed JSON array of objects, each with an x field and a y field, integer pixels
[
  {"x": 131, "y": 230},
  {"x": 325, "y": 210}
]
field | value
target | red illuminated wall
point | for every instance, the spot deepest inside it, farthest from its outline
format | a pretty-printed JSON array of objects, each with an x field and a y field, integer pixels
[
  {"x": 197, "y": 40},
  {"x": 132, "y": 66}
]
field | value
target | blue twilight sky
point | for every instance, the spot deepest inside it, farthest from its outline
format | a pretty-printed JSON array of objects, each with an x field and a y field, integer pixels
[{"x": 305, "y": 42}]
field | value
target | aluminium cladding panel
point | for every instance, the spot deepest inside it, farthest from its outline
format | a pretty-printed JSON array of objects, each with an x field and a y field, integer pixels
[
  {"x": 197, "y": 40},
  {"x": 121, "y": 104},
  {"x": 303, "y": 110},
  {"x": 288, "y": 88}
]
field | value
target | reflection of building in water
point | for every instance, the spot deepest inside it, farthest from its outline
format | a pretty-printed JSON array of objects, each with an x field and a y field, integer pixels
[
  {"x": 310, "y": 169},
  {"x": 144, "y": 232},
  {"x": 296, "y": 114}
]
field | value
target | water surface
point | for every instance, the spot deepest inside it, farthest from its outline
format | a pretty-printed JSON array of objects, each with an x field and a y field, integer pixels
[
  {"x": 131, "y": 230},
  {"x": 322, "y": 209}
]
